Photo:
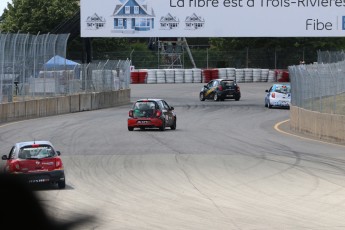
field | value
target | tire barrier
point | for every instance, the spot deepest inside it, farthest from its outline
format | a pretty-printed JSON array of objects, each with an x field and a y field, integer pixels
[
  {"x": 188, "y": 76},
  {"x": 206, "y": 75},
  {"x": 177, "y": 76},
  {"x": 138, "y": 77},
  {"x": 282, "y": 75},
  {"x": 197, "y": 75}
]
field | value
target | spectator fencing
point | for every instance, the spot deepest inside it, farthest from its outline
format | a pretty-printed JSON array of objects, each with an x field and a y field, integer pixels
[
  {"x": 319, "y": 87},
  {"x": 318, "y": 98},
  {"x": 30, "y": 69}
]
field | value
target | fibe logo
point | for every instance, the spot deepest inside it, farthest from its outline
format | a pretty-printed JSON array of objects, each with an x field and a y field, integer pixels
[{"x": 343, "y": 23}]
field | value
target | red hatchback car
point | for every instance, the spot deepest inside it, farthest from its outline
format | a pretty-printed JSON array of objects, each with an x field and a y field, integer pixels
[
  {"x": 151, "y": 113},
  {"x": 37, "y": 162}
]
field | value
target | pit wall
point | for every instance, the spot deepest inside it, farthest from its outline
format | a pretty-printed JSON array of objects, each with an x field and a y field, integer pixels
[
  {"x": 327, "y": 127},
  {"x": 22, "y": 110}
]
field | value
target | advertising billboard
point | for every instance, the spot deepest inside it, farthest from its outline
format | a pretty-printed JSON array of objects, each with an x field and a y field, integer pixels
[{"x": 212, "y": 18}]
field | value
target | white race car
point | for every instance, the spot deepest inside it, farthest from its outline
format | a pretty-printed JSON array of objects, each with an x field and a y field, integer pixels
[{"x": 279, "y": 95}]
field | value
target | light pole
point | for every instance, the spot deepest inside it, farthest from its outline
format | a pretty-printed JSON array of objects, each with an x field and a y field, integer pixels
[{"x": 130, "y": 56}]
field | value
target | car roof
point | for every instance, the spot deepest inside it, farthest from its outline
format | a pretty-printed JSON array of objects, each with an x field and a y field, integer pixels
[
  {"x": 26, "y": 143},
  {"x": 282, "y": 83},
  {"x": 221, "y": 79},
  {"x": 149, "y": 99}
]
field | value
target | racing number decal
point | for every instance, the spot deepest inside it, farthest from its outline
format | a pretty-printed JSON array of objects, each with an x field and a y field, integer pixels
[{"x": 208, "y": 92}]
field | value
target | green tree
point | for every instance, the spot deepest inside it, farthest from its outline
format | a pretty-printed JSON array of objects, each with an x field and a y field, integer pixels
[
  {"x": 317, "y": 43},
  {"x": 36, "y": 16}
]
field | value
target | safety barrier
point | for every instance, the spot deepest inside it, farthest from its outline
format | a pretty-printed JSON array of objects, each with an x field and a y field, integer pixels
[
  {"x": 327, "y": 127},
  {"x": 318, "y": 107},
  {"x": 159, "y": 76},
  {"x": 21, "y": 110}
]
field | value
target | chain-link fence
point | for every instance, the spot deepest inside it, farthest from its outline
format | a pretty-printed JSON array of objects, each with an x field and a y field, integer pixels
[
  {"x": 330, "y": 57},
  {"x": 320, "y": 86},
  {"x": 265, "y": 58},
  {"x": 34, "y": 66}
]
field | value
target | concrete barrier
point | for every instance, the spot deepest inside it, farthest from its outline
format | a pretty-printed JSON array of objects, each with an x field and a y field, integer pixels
[
  {"x": 31, "y": 109},
  {"x": 51, "y": 106},
  {"x": 7, "y": 112},
  {"x": 42, "y": 108},
  {"x": 85, "y": 101},
  {"x": 62, "y": 105},
  {"x": 11, "y": 112},
  {"x": 107, "y": 99},
  {"x": 19, "y": 110},
  {"x": 324, "y": 126},
  {"x": 74, "y": 103}
]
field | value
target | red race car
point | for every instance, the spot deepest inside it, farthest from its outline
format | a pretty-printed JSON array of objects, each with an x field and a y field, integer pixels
[
  {"x": 37, "y": 162},
  {"x": 151, "y": 113}
]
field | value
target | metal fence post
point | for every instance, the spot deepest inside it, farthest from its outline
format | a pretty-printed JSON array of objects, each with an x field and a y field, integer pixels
[
  {"x": 2, "y": 66},
  {"x": 13, "y": 65}
]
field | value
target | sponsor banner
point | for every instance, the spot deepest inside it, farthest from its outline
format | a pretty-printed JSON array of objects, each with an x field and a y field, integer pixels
[{"x": 212, "y": 18}]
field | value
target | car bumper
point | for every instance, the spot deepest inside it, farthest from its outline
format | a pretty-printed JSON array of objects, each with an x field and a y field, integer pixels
[
  {"x": 230, "y": 95},
  {"x": 43, "y": 177},
  {"x": 280, "y": 102},
  {"x": 145, "y": 123}
]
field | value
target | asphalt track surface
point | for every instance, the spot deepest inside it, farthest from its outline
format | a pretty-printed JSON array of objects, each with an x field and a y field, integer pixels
[{"x": 226, "y": 166}]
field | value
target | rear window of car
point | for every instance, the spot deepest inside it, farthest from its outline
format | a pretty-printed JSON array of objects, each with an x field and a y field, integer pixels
[
  {"x": 282, "y": 88},
  {"x": 144, "y": 109},
  {"x": 145, "y": 105},
  {"x": 36, "y": 152},
  {"x": 228, "y": 83}
]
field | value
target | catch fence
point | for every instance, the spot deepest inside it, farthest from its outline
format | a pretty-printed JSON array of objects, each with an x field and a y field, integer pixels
[
  {"x": 320, "y": 86},
  {"x": 34, "y": 66},
  {"x": 207, "y": 58}
]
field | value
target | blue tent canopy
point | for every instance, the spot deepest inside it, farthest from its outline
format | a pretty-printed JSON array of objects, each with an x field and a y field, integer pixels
[{"x": 58, "y": 62}]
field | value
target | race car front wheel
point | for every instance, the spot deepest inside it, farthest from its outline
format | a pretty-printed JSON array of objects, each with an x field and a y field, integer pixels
[{"x": 202, "y": 97}]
